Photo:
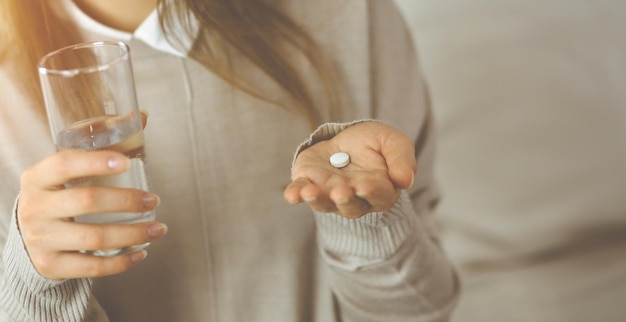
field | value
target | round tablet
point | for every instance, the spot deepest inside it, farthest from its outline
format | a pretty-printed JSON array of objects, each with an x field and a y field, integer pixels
[{"x": 339, "y": 159}]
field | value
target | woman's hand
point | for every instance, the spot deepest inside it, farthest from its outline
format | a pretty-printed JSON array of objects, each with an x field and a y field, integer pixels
[
  {"x": 46, "y": 209},
  {"x": 382, "y": 162}
]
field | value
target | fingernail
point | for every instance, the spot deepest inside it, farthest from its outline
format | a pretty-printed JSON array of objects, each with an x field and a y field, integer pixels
[
  {"x": 309, "y": 198},
  {"x": 137, "y": 257},
  {"x": 157, "y": 230},
  {"x": 115, "y": 163},
  {"x": 151, "y": 200},
  {"x": 412, "y": 180}
]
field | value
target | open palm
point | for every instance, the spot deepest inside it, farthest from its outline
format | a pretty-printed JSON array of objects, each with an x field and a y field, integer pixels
[{"x": 382, "y": 163}]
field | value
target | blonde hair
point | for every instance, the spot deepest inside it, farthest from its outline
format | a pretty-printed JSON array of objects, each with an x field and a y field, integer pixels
[
  {"x": 24, "y": 38},
  {"x": 252, "y": 30}
]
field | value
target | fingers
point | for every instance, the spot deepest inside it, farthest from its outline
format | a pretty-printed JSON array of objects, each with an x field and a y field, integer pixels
[
  {"x": 72, "y": 236},
  {"x": 292, "y": 192},
  {"x": 378, "y": 192},
  {"x": 351, "y": 200},
  {"x": 45, "y": 211},
  {"x": 304, "y": 190},
  {"x": 54, "y": 249},
  {"x": 61, "y": 266},
  {"x": 95, "y": 199},
  {"x": 39, "y": 207},
  {"x": 364, "y": 195},
  {"x": 64, "y": 166},
  {"x": 348, "y": 204},
  {"x": 383, "y": 163}
]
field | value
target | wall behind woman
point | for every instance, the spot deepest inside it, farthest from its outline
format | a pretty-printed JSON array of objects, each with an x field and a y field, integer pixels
[{"x": 530, "y": 107}]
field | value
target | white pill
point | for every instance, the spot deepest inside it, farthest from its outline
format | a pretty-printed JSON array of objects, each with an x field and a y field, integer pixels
[{"x": 339, "y": 159}]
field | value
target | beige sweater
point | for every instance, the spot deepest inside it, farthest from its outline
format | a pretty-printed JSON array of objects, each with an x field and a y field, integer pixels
[{"x": 219, "y": 159}]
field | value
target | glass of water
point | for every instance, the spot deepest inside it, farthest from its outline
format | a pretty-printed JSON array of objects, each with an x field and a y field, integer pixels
[{"x": 89, "y": 93}]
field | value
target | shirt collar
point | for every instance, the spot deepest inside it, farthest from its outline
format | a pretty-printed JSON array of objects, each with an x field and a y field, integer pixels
[{"x": 149, "y": 31}]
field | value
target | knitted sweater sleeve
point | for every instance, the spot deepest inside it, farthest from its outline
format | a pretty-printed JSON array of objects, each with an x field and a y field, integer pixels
[
  {"x": 27, "y": 296},
  {"x": 387, "y": 266}
]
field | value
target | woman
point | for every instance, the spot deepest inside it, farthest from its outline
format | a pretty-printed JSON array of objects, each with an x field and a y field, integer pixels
[{"x": 232, "y": 88}]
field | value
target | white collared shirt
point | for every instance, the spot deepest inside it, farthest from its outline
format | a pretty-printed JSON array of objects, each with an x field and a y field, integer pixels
[{"x": 149, "y": 31}]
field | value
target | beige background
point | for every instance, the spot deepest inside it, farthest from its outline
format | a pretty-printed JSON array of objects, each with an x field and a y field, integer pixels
[{"x": 530, "y": 104}]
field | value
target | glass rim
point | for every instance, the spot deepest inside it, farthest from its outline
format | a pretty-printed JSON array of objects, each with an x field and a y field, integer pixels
[{"x": 43, "y": 70}]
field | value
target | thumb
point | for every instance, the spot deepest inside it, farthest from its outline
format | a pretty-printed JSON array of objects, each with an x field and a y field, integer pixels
[{"x": 399, "y": 154}]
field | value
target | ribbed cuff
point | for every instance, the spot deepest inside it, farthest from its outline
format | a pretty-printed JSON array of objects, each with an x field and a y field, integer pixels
[
  {"x": 372, "y": 237},
  {"x": 26, "y": 296},
  {"x": 325, "y": 131}
]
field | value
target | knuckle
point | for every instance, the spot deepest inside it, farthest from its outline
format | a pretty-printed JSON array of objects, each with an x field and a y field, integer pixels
[
  {"x": 32, "y": 239},
  {"x": 95, "y": 267},
  {"x": 127, "y": 200},
  {"x": 25, "y": 177},
  {"x": 32, "y": 232},
  {"x": 93, "y": 238},
  {"x": 86, "y": 198},
  {"x": 44, "y": 264},
  {"x": 60, "y": 164},
  {"x": 26, "y": 212}
]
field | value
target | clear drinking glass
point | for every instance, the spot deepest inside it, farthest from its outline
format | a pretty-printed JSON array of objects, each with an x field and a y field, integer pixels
[{"x": 89, "y": 93}]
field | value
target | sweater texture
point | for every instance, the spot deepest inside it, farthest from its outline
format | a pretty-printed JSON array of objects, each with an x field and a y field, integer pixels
[{"x": 220, "y": 159}]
